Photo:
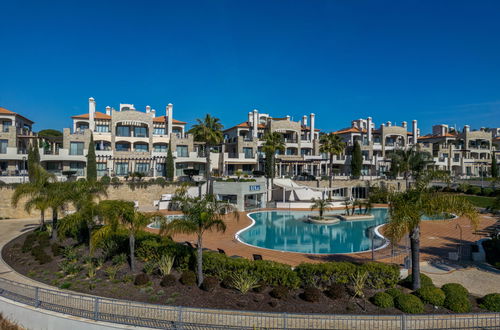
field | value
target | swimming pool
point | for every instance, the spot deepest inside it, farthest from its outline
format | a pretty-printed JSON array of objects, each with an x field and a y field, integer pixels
[
  {"x": 287, "y": 231},
  {"x": 157, "y": 224}
]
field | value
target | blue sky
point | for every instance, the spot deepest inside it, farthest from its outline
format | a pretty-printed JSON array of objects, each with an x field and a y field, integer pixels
[{"x": 435, "y": 61}]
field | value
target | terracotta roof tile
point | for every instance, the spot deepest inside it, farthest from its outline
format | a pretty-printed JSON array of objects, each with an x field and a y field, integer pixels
[
  {"x": 163, "y": 119},
  {"x": 4, "y": 111},
  {"x": 97, "y": 115},
  {"x": 350, "y": 130},
  {"x": 245, "y": 124}
]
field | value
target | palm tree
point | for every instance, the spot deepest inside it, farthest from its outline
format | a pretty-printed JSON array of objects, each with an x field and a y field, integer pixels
[
  {"x": 333, "y": 145},
  {"x": 208, "y": 130},
  {"x": 120, "y": 214},
  {"x": 411, "y": 162},
  {"x": 321, "y": 204},
  {"x": 201, "y": 214},
  {"x": 36, "y": 191},
  {"x": 59, "y": 195},
  {"x": 406, "y": 210},
  {"x": 273, "y": 142}
]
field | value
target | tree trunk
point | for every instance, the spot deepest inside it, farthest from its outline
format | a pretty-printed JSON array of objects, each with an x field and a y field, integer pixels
[
  {"x": 330, "y": 179},
  {"x": 131, "y": 241},
  {"x": 54, "y": 224},
  {"x": 415, "y": 257},
  {"x": 207, "y": 169},
  {"x": 42, "y": 219},
  {"x": 199, "y": 261},
  {"x": 89, "y": 229},
  {"x": 407, "y": 181},
  {"x": 273, "y": 164}
]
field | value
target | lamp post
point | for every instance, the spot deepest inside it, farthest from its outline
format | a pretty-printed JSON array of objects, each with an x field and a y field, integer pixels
[{"x": 24, "y": 169}]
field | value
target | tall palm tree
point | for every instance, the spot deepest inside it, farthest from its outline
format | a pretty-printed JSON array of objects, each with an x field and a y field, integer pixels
[
  {"x": 208, "y": 130},
  {"x": 406, "y": 210},
  {"x": 120, "y": 214},
  {"x": 410, "y": 162},
  {"x": 273, "y": 142},
  {"x": 201, "y": 214},
  {"x": 333, "y": 145},
  {"x": 36, "y": 191},
  {"x": 59, "y": 196}
]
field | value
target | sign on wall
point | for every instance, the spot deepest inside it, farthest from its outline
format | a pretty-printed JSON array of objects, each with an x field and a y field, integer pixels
[{"x": 255, "y": 188}]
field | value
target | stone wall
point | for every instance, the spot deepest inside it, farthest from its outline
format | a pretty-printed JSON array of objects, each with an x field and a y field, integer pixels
[
  {"x": 394, "y": 185},
  {"x": 145, "y": 197}
]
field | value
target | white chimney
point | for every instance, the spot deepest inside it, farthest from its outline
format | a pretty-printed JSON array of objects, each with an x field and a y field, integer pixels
[
  {"x": 304, "y": 120},
  {"x": 369, "y": 128},
  {"x": 148, "y": 109},
  {"x": 415, "y": 131},
  {"x": 466, "y": 128},
  {"x": 255, "y": 123},
  {"x": 170, "y": 118},
  {"x": 382, "y": 125},
  {"x": 312, "y": 120},
  {"x": 108, "y": 110},
  {"x": 444, "y": 129},
  {"x": 91, "y": 114},
  {"x": 153, "y": 112},
  {"x": 404, "y": 124},
  {"x": 389, "y": 124}
]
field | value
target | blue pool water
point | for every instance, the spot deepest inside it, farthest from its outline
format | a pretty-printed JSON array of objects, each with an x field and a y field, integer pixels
[{"x": 157, "y": 225}]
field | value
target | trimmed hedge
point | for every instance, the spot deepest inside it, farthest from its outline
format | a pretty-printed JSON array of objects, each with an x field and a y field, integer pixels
[
  {"x": 381, "y": 276},
  {"x": 312, "y": 294},
  {"x": 383, "y": 300},
  {"x": 188, "y": 278},
  {"x": 424, "y": 281},
  {"x": 457, "y": 303},
  {"x": 168, "y": 280},
  {"x": 336, "y": 291},
  {"x": 141, "y": 279},
  {"x": 409, "y": 303},
  {"x": 279, "y": 292},
  {"x": 491, "y": 302},
  {"x": 209, "y": 284},
  {"x": 455, "y": 289},
  {"x": 431, "y": 295},
  {"x": 394, "y": 292}
]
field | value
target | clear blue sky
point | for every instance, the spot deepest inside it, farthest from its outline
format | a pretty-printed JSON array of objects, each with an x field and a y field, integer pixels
[{"x": 435, "y": 61}]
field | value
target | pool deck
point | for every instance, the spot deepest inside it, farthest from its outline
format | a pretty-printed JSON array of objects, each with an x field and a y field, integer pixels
[{"x": 438, "y": 237}]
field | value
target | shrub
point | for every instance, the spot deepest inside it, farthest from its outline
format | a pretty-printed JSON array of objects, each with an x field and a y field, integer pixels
[
  {"x": 28, "y": 243},
  {"x": 394, "y": 292},
  {"x": 40, "y": 255},
  {"x": 209, "y": 283},
  {"x": 311, "y": 294},
  {"x": 455, "y": 289},
  {"x": 165, "y": 264},
  {"x": 70, "y": 268},
  {"x": 432, "y": 295},
  {"x": 188, "y": 278},
  {"x": 336, "y": 291},
  {"x": 260, "y": 287},
  {"x": 381, "y": 276},
  {"x": 115, "y": 181},
  {"x": 119, "y": 259},
  {"x": 491, "y": 302},
  {"x": 457, "y": 303},
  {"x": 243, "y": 282},
  {"x": 105, "y": 180},
  {"x": 279, "y": 292},
  {"x": 488, "y": 192},
  {"x": 111, "y": 271},
  {"x": 160, "y": 181},
  {"x": 141, "y": 279},
  {"x": 43, "y": 238},
  {"x": 324, "y": 274},
  {"x": 408, "y": 303},
  {"x": 149, "y": 267},
  {"x": 65, "y": 285},
  {"x": 168, "y": 280},
  {"x": 383, "y": 300},
  {"x": 57, "y": 249},
  {"x": 424, "y": 281},
  {"x": 473, "y": 190}
]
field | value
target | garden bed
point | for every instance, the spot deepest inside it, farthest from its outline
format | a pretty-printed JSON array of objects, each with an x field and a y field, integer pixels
[{"x": 122, "y": 286}]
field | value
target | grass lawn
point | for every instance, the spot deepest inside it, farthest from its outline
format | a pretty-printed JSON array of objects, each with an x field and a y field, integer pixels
[{"x": 480, "y": 201}]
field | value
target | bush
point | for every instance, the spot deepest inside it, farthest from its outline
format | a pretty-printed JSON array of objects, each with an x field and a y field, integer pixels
[
  {"x": 473, "y": 190},
  {"x": 457, "y": 303},
  {"x": 336, "y": 291},
  {"x": 115, "y": 181},
  {"x": 394, "y": 292},
  {"x": 141, "y": 279},
  {"x": 28, "y": 243},
  {"x": 43, "y": 238},
  {"x": 325, "y": 274},
  {"x": 492, "y": 250},
  {"x": 455, "y": 289},
  {"x": 424, "y": 281},
  {"x": 57, "y": 249},
  {"x": 279, "y": 292},
  {"x": 188, "y": 278},
  {"x": 260, "y": 287},
  {"x": 381, "y": 276},
  {"x": 40, "y": 255},
  {"x": 431, "y": 295},
  {"x": 410, "y": 304},
  {"x": 243, "y": 282},
  {"x": 168, "y": 280},
  {"x": 491, "y": 302},
  {"x": 209, "y": 283},
  {"x": 311, "y": 294},
  {"x": 383, "y": 300},
  {"x": 488, "y": 192},
  {"x": 119, "y": 259},
  {"x": 105, "y": 180}
]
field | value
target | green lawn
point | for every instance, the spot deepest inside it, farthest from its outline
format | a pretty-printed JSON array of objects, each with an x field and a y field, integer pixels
[{"x": 480, "y": 201}]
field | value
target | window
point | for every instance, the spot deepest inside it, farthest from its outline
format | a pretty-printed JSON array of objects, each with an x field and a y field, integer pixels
[
  {"x": 160, "y": 148},
  {"x": 76, "y": 148},
  {"x": 6, "y": 125},
  {"x": 140, "y": 131},
  {"x": 122, "y": 146},
  {"x": 121, "y": 169},
  {"x": 102, "y": 128},
  {"x": 3, "y": 146},
  {"x": 102, "y": 169},
  {"x": 78, "y": 167},
  {"x": 82, "y": 126},
  {"x": 247, "y": 168},
  {"x": 141, "y": 147},
  {"x": 182, "y": 151},
  {"x": 142, "y": 168},
  {"x": 159, "y": 131},
  {"x": 122, "y": 131},
  {"x": 179, "y": 169},
  {"x": 248, "y": 152}
]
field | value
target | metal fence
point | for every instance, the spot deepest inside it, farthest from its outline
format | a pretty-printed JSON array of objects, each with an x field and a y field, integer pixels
[{"x": 177, "y": 317}]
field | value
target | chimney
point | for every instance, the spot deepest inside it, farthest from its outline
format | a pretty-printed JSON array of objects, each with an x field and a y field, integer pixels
[
  {"x": 304, "y": 120},
  {"x": 444, "y": 129},
  {"x": 382, "y": 125},
  {"x": 466, "y": 128},
  {"x": 287, "y": 117},
  {"x": 255, "y": 123},
  {"x": 369, "y": 128},
  {"x": 415, "y": 131},
  {"x": 311, "y": 119},
  {"x": 153, "y": 112},
  {"x": 389, "y": 124},
  {"x": 108, "y": 110},
  {"x": 355, "y": 124},
  {"x": 404, "y": 124},
  {"x": 148, "y": 109},
  {"x": 170, "y": 118},
  {"x": 91, "y": 114},
  {"x": 250, "y": 117}
]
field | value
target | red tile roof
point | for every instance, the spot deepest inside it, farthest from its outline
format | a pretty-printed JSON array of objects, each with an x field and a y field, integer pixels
[
  {"x": 245, "y": 124},
  {"x": 434, "y": 136},
  {"x": 163, "y": 119},
  {"x": 4, "y": 111},
  {"x": 97, "y": 115},
  {"x": 350, "y": 130}
]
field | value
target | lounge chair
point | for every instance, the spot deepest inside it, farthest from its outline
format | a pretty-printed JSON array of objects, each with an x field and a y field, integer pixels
[
  {"x": 257, "y": 257},
  {"x": 221, "y": 251}
]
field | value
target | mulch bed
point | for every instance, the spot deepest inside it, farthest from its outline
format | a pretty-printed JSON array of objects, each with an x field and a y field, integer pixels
[{"x": 182, "y": 295}]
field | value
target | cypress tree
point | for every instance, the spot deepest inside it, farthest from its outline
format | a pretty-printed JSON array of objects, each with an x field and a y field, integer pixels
[
  {"x": 31, "y": 163},
  {"x": 36, "y": 154},
  {"x": 494, "y": 167},
  {"x": 170, "y": 167},
  {"x": 394, "y": 170},
  {"x": 91, "y": 162},
  {"x": 268, "y": 165},
  {"x": 356, "y": 161}
]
